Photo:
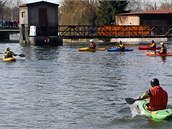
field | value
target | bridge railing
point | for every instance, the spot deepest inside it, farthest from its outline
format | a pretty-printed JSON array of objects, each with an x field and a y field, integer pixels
[
  {"x": 8, "y": 24},
  {"x": 87, "y": 31}
]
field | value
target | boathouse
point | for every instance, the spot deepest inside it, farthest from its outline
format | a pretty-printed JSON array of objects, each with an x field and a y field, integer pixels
[
  {"x": 152, "y": 23},
  {"x": 38, "y": 24},
  {"x": 160, "y": 17}
]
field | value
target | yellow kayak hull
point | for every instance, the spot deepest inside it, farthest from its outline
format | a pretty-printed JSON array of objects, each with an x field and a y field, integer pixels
[
  {"x": 10, "y": 59},
  {"x": 89, "y": 49}
]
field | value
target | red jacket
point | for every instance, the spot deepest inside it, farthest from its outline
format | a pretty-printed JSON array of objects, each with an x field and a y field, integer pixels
[
  {"x": 93, "y": 45},
  {"x": 158, "y": 99}
]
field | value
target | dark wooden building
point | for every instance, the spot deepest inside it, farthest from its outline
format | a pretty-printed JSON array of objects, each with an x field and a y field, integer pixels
[
  {"x": 160, "y": 17},
  {"x": 38, "y": 23}
]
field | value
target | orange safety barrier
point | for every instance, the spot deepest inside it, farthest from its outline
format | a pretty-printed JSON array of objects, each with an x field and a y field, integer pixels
[{"x": 123, "y": 31}]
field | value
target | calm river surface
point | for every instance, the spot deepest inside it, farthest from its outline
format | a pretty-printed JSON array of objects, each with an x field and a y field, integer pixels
[{"x": 62, "y": 88}]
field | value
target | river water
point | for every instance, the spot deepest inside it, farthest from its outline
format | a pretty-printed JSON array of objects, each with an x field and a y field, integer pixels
[{"x": 62, "y": 88}]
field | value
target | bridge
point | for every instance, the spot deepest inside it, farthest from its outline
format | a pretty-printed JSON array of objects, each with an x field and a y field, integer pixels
[
  {"x": 108, "y": 31},
  {"x": 87, "y": 31}
]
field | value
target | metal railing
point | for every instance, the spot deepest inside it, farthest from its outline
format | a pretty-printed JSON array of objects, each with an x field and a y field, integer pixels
[{"x": 87, "y": 31}]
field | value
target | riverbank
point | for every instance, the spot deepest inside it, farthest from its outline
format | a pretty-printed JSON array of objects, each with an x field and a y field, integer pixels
[{"x": 129, "y": 41}]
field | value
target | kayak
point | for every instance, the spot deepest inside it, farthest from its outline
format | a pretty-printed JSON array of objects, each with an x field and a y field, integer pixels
[
  {"x": 10, "y": 59},
  {"x": 89, "y": 49},
  {"x": 147, "y": 47},
  {"x": 157, "y": 54},
  {"x": 113, "y": 49},
  {"x": 156, "y": 115}
]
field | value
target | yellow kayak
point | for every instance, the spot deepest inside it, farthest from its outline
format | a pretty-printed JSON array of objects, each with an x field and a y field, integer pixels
[
  {"x": 89, "y": 49},
  {"x": 9, "y": 59}
]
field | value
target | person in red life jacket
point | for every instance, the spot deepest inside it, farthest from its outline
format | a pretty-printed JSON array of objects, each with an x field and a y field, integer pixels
[
  {"x": 92, "y": 44},
  {"x": 153, "y": 44},
  {"x": 157, "y": 95}
]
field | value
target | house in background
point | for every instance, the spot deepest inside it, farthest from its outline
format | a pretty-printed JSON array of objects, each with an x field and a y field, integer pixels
[
  {"x": 160, "y": 17},
  {"x": 38, "y": 24}
]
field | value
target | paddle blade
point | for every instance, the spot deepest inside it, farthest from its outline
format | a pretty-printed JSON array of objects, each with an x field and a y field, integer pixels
[
  {"x": 21, "y": 55},
  {"x": 130, "y": 100}
]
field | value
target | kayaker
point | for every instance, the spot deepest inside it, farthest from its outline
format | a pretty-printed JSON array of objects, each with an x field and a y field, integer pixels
[
  {"x": 157, "y": 95},
  {"x": 153, "y": 44},
  {"x": 163, "y": 49},
  {"x": 9, "y": 53},
  {"x": 92, "y": 44},
  {"x": 121, "y": 45}
]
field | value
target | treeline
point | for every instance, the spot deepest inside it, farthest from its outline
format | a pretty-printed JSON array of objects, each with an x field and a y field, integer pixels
[
  {"x": 9, "y": 9},
  {"x": 101, "y": 12},
  {"x": 86, "y": 12}
]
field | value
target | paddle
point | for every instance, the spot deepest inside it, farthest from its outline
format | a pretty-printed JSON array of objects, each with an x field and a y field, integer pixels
[
  {"x": 131, "y": 100},
  {"x": 21, "y": 55}
]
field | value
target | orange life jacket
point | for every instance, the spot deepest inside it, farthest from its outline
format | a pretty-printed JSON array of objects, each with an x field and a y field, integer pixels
[{"x": 158, "y": 99}]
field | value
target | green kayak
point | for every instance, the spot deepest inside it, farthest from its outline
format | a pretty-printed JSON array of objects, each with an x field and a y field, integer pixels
[{"x": 156, "y": 115}]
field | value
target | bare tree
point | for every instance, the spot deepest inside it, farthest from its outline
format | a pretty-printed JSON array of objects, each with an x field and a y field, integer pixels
[
  {"x": 11, "y": 9},
  {"x": 77, "y": 12},
  {"x": 2, "y": 8},
  {"x": 140, "y": 5},
  {"x": 166, "y": 4}
]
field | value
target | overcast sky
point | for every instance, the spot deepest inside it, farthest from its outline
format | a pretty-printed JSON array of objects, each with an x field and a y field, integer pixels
[{"x": 60, "y": 1}]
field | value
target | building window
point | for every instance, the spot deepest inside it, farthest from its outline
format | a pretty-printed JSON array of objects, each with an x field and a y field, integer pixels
[{"x": 23, "y": 14}]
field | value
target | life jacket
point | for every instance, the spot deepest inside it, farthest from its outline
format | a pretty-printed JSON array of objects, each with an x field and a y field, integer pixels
[
  {"x": 153, "y": 45},
  {"x": 163, "y": 50},
  {"x": 8, "y": 54},
  {"x": 122, "y": 46},
  {"x": 158, "y": 99}
]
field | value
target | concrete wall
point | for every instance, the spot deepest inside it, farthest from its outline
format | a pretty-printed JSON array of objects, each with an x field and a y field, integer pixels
[
  {"x": 23, "y": 15},
  {"x": 127, "y": 20}
]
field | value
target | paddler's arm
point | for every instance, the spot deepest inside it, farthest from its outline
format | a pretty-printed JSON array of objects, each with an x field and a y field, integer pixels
[
  {"x": 13, "y": 53},
  {"x": 145, "y": 95}
]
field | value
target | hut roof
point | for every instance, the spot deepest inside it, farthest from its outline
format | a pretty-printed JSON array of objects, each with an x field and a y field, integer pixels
[
  {"x": 39, "y": 2},
  {"x": 158, "y": 11}
]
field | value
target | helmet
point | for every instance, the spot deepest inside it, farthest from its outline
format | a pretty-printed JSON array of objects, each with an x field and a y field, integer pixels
[
  {"x": 91, "y": 40},
  {"x": 7, "y": 49},
  {"x": 154, "y": 82},
  {"x": 162, "y": 43}
]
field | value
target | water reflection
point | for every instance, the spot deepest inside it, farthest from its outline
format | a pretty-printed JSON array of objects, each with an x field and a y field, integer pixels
[
  {"x": 163, "y": 58},
  {"x": 41, "y": 53}
]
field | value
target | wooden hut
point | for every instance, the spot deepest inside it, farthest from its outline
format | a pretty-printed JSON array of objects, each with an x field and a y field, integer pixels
[
  {"x": 38, "y": 23},
  {"x": 160, "y": 17}
]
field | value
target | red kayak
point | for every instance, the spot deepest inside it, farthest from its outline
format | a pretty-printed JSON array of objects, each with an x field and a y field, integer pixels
[{"x": 147, "y": 47}]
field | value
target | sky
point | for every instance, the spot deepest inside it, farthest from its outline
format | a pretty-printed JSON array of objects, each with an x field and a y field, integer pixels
[{"x": 60, "y": 1}]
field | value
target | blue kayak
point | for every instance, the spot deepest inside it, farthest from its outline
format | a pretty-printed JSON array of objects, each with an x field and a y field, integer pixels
[{"x": 113, "y": 49}]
